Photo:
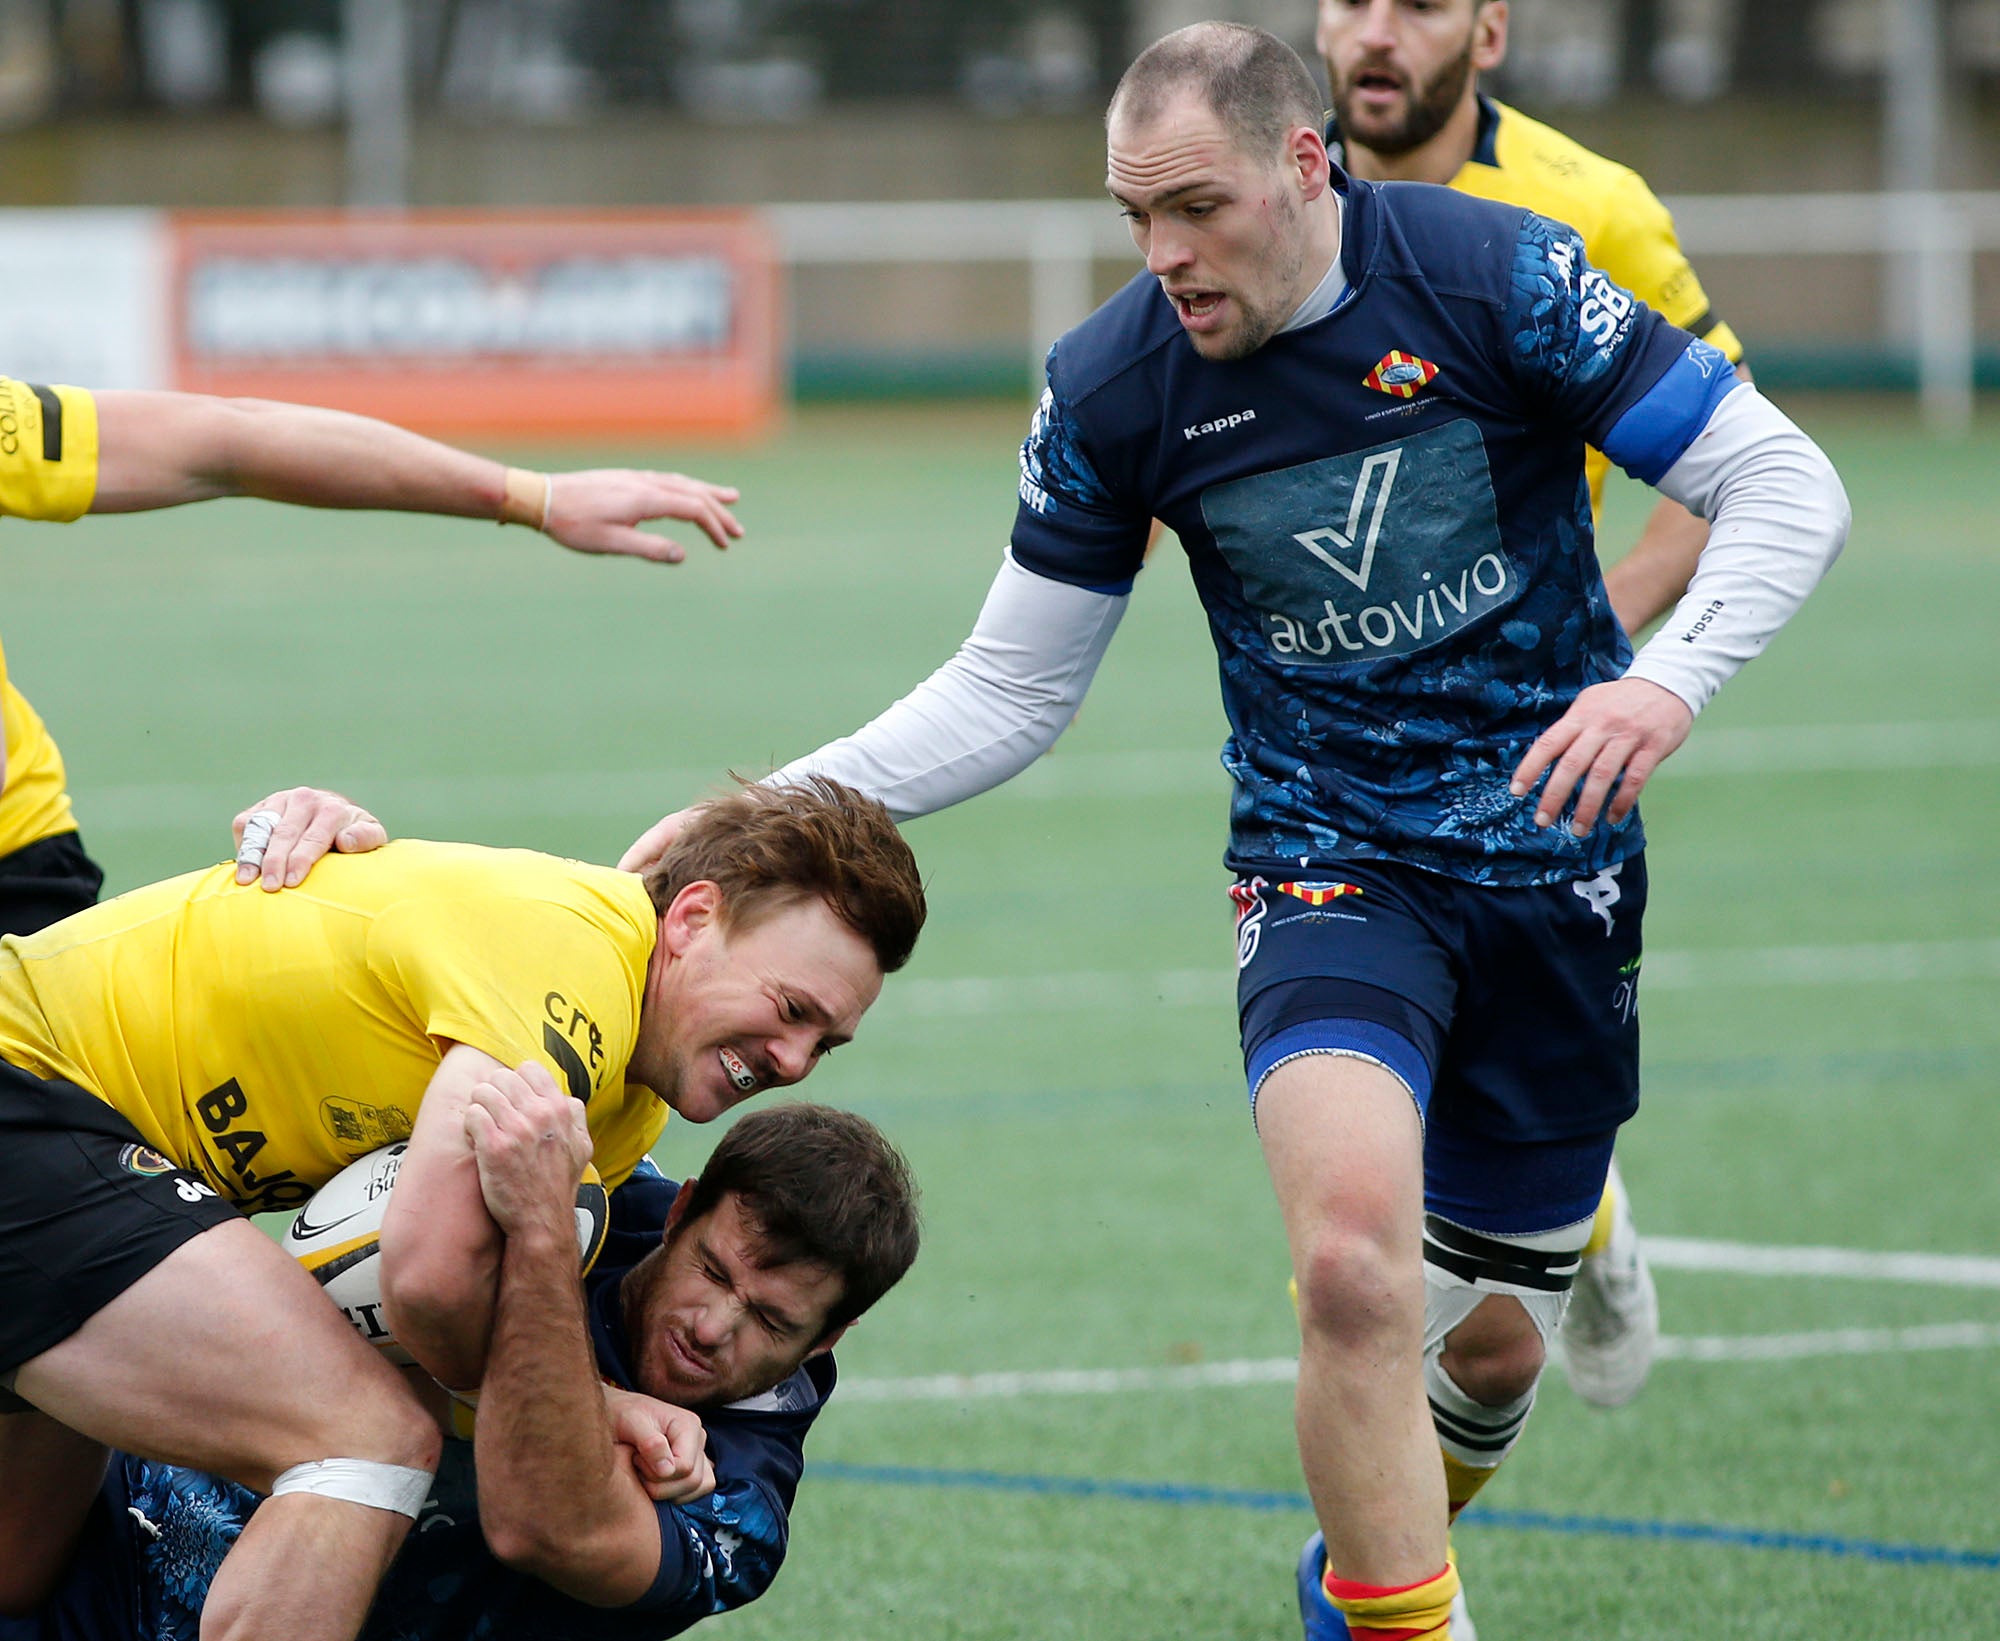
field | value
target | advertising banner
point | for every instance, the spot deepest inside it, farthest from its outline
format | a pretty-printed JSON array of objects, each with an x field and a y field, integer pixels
[
  {"x": 537, "y": 324},
  {"x": 83, "y": 297}
]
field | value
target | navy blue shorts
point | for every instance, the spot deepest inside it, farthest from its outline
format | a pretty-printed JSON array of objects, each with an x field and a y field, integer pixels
[{"x": 1511, "y": 1014}]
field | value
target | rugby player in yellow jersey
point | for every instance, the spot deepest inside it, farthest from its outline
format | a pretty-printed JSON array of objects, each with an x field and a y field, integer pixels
[
  {"x": 198, "y": 1047},
  {"x": 65, "y": 452}
]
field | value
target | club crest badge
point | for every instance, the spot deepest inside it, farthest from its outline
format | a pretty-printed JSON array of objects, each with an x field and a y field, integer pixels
[
  {"x": 1318, "y": 894},
  {"x": 1400, "y": 374}
]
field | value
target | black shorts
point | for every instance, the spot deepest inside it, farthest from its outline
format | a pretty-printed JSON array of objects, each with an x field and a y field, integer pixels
[
  {"x": 86, "y": 1209},
  {"x": 45, "y": 881}
]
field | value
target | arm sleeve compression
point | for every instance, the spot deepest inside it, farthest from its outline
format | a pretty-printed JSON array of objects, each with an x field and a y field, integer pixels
[
  {"x": 1778, "y": 518},
  {"x": 991, "y": 710}
]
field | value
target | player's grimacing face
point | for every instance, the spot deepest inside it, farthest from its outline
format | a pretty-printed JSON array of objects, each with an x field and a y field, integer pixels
[
  {"x": 755, "y": 1006},
  {"x": 1222, "y": 229},
  {"x": 1397, "y": 69},
  {"x": 707, "y": 1323}
]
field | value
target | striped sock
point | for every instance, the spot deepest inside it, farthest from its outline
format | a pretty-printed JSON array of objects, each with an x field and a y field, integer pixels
[{"x": 1413, "y": 1612}]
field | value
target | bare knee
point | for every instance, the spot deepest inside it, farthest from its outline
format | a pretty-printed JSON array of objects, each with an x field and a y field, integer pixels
[
  {"x": 386, "y": 1428},
  {"x": 1495, "y": 1355},
  {"x": 1353, "y": 1282}
]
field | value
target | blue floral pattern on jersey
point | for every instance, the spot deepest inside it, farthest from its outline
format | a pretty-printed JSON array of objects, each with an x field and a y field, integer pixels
[
  {"x": 1572, "y": 319},
  {"x": 184, "y": 1523},
  {"x": 1053, "y": 463}
]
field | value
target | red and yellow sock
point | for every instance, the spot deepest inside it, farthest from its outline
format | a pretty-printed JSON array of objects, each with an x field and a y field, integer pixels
[
  {"x": 1462, "y": 1483},
  {"x": 1413, "y": 1612}
]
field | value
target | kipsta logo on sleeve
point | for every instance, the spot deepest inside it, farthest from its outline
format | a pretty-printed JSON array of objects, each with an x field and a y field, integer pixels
[
  {"x": 1401, "y": 374},
  {"x": 1318, "y": 894}
]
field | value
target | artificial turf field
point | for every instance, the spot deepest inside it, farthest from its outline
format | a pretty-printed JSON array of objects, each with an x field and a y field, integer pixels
[{"x": 1818, "y": 1456}]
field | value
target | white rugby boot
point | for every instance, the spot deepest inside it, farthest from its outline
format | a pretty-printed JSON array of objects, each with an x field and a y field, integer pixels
[{"x": 1613, "y": 1322}]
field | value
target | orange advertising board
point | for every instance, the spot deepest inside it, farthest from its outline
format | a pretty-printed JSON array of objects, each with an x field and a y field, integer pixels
[{"x": 542, "y": 324}]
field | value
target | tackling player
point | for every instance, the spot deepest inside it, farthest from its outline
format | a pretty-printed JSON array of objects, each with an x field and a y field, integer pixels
[
  {"x": 199, "y": 1047},
  {"x": 1363, "y": 410},
  {"x": 65, "y": 452},
  {"x": 723, "y": 1295}
]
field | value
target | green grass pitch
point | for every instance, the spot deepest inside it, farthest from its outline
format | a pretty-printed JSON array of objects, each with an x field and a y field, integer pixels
[{"x": 1059, "y": 1061}]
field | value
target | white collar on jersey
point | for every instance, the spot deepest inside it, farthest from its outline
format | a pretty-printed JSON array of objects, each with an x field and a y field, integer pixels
[{"x": 1325, "y": 295}]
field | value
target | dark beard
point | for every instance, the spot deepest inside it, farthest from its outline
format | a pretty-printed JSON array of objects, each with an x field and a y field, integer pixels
[{"x": 1429, "y": 108}]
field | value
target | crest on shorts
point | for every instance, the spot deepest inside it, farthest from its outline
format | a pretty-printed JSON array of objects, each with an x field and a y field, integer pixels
[
  {"x": 144, "y": 1161},
  {"x": 1318, "y": 894},
  {"x": 1401, "y": 374}
]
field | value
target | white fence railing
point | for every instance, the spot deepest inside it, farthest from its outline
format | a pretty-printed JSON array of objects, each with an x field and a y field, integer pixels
[{"x": 1929, "y": 241}]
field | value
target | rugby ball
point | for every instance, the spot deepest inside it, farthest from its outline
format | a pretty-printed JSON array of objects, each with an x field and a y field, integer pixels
[{"x": 337, "y": 1236}]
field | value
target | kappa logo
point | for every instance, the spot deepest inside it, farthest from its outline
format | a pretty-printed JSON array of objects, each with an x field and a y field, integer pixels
[
  {"x": 1402, "y": 374},
  {"x": 1250, "y": 909},
  {"x": 1601, "y": 893},
  {"x": 1221, "y": 424},
  {"x": 1318, "y": 894}
]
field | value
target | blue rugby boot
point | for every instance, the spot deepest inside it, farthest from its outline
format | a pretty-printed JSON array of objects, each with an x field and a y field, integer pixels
[{"x": 1323, "y": 1620}]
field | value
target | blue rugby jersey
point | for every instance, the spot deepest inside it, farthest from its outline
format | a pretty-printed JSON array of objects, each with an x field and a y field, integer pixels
[
  {"x": 1386, "y": 519},
  {"x": 166, "y": 1529}
]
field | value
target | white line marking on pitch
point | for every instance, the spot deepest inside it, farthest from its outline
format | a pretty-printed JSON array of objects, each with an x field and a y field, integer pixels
[
  {"x": 1673, "y": 1253},
  {"x": 1666, "y": 1253},
  {"x": 1283, "y": 1370},
  {"x": 1866, "y": 962}
]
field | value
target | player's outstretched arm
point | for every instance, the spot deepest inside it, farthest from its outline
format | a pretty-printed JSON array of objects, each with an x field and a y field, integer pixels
[
  {"x": 984, "y": 716},
  {"x": 543, "y": 1432},
  {"x": 166, "y": 449}
]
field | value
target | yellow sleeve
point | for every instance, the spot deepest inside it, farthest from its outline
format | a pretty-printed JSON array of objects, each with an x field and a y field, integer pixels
[
  {"x": 523, "y": 979},
  {"x": 48, "y": 451},
  {"x": 1636, "y": 245}
]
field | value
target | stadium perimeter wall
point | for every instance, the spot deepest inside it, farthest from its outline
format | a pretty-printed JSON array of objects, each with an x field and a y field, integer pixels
[{"x": 922, "y": 328}]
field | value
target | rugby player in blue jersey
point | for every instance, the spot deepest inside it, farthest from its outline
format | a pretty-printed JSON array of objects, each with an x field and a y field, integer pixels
[
  {"x": 723, "y": 1295},
  {"x": 1363, "y": 409}
]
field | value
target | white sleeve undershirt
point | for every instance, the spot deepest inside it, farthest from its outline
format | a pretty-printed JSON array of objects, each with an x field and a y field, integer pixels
[
  {"x": 1778, "y": 518},
  {"x": 991, "y": 710}
]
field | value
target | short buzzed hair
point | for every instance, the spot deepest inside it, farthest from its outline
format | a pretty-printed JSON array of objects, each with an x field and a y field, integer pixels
[{"x": 1251, "y": 80}]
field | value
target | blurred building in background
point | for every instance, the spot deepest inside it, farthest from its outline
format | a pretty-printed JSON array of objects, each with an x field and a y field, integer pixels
[{"x": 796, "y": 103}]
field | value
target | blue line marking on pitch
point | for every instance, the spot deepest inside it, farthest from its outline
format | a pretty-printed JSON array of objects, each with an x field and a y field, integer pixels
[{"x": 1527, "y": 1521}]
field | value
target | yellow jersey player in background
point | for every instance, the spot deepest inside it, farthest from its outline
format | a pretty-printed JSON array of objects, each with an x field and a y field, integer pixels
[
  {"x": 199, "y": 1046},
  {"x": 65, "y": 452},
  {"x": 1407, "y": 108},
  {"x": 1404, "y": 79}
]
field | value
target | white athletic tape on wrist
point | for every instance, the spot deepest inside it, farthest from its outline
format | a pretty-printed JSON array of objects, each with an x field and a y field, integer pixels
[
  {"x": 257, "y": 831},
  {"x": 394, "y": 1487}
]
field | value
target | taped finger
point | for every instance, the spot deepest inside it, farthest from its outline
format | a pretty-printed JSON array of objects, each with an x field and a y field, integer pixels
[{"x": 257, "y": 829}]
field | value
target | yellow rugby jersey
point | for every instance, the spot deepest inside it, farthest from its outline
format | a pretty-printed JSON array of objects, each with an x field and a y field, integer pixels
[
  {"x": 48, "y": 470},
  {"x": 1626, "y": 231},
  {"x": 34, "y": 804},
  {"x": 267, "y": 1040}
]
